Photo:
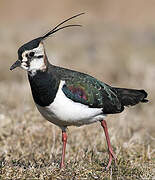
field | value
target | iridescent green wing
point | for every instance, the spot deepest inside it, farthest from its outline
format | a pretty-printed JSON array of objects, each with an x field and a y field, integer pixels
[
  {"x": 90, "y": 91},
  {"x": 85, "y": 89}
]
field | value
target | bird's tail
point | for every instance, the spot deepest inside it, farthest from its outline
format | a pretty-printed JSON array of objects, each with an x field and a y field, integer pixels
[{"x": 131, "y": 96}]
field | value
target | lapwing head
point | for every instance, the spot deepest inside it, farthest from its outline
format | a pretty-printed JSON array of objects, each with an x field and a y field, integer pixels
[{"x": 32, "y": 56}]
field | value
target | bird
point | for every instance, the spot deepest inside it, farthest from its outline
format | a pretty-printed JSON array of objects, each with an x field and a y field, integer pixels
[{"x": 67, "y": 97}]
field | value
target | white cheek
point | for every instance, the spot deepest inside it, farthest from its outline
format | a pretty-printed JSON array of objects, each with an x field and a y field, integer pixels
[
  {"x": 24, "y": 66},
  {"x": 24, "y": 59},
  {"x": 37, "y": 64}
]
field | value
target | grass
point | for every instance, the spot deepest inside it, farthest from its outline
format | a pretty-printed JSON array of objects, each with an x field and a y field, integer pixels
[{"x": 30, "y": 147}]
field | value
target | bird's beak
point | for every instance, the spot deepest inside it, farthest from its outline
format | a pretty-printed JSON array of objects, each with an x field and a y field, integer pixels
[{"x": 16, "y": 64}]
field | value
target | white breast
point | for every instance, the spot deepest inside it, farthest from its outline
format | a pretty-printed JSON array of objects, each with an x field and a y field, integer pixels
[{"x": 65, "y": 112}]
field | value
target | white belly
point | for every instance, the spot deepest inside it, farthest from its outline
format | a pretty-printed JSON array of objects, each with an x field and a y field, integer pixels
[{"x": 65, "y": 112}]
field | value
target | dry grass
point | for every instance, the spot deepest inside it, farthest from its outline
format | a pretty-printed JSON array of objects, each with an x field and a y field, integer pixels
[{"x": 30, "y": 147}]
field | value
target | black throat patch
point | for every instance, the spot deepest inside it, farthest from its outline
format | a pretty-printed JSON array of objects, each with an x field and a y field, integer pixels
[{"x": 44, "y": 87}]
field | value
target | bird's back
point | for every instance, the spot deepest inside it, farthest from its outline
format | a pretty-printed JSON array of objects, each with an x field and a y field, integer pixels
[{"x": 85, "y": 89}]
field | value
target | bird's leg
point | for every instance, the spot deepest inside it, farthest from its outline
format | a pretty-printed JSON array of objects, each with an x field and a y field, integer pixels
[
  {"x": 64, "y": 141},
  {"x": 111, "y": 153}
]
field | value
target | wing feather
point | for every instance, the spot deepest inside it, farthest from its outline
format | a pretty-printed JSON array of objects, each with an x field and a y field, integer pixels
[{"x": 85, "y": 89}]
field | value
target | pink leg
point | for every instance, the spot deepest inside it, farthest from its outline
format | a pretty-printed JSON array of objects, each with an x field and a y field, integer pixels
[
  {"x": 64, "y": 140},
  {"x": 111, "y": 153}
]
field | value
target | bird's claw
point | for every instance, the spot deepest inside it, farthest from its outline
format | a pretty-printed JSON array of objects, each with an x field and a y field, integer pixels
[{"x": 111, "y": 156}]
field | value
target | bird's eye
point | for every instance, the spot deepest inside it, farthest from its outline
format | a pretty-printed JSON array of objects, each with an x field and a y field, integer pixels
[{"x": 31, "y": 54}]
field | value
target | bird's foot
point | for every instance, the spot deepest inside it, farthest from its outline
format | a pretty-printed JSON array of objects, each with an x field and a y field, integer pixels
[
  {"x": 62, "y": 165},
  {"x": 111, "y": 157}
]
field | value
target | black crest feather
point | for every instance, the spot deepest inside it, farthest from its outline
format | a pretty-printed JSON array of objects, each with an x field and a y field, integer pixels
[
  {"x": 35, "y": 42},
  {"x": 55, "y": 29}
]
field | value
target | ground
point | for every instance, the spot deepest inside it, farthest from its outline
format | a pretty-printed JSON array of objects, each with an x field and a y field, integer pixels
[{"x": 120, "y": 55}]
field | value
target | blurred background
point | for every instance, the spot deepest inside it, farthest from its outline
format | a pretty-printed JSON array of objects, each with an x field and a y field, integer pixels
[{"x": 116, "y": 45}]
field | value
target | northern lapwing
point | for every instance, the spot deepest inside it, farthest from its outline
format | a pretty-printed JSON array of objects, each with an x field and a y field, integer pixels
[{"x": 70, "y": 98}]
